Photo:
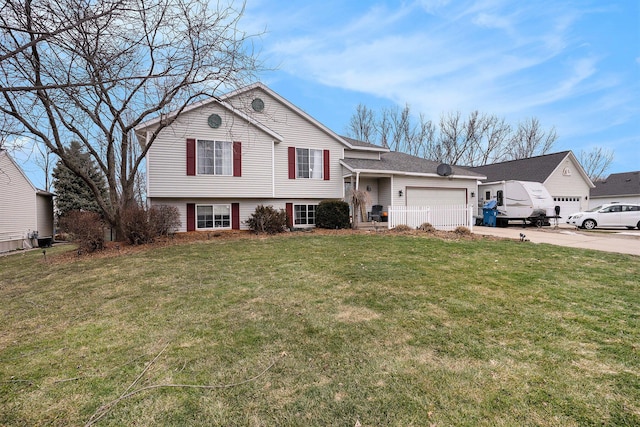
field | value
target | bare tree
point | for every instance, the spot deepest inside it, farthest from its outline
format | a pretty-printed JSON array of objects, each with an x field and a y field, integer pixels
[
  {"x": 49, "y": 19},
  {"x": 43, "y": 158},
  {"x": 121, "y": 62},
  {"x": 531, "y": 140},
  {"x": 477, "y": 140},
  {"x": 596, "y": 162},
  {"x": 362, "y": 125},
  {"x": 384, "y": 128}
]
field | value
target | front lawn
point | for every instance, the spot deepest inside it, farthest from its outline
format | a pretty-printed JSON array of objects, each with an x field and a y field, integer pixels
[{"x": 322, "y": 330}]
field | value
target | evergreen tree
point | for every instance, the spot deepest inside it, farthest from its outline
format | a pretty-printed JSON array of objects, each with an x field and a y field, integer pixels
[{"x": 72, "y": 192}]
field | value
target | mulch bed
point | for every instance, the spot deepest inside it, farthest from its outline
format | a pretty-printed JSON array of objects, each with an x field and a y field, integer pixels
[{"x": 116, "y": 249}]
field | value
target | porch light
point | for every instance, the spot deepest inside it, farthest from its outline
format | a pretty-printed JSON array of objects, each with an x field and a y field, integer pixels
[{"x": 400, "y": 193}]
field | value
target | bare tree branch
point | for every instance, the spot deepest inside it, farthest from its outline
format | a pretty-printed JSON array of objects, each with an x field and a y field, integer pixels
[
  {"x": 93, "y": 71},
  {"x": 596, "y": 162},
  {"x": 477, "y": 140}
]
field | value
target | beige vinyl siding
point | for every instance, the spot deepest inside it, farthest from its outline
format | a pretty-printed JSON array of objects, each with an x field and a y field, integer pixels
[
  {"x": 297, "y": 132},
  {"x": 370, "y": 185},
  {"x": 599, "y": 201},
  {"x": 402, "y": 182},
  {"x": 167, "y": 169},
  {"x": 384, "y": 192},
  {"x": 573, "y": 185},
  {"x": 354, "y": 154},
  {"x": 17, "y": 205},
  {"x": 45, "y": 215},
  {"x": 247, "y": 206}
]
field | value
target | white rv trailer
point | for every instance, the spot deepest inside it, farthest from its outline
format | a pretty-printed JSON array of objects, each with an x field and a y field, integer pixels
[{"x": 526, "y": 201}]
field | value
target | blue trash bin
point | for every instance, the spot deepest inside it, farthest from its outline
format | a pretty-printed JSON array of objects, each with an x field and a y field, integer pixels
[
  {"x": 489, "y": 213},
  {"x": 489, "y": 217}
]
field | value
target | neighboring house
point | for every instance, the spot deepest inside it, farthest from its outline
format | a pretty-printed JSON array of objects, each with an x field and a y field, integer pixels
[
  {"x": 223, "y": 157},
  {"x": 616, "y": 188},
  {"x": 24, "y": 210},
  {"x": 560, "y": 173}
]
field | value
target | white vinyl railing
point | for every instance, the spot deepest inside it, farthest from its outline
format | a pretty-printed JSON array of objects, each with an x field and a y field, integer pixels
[{"x": 446, "y": 218}]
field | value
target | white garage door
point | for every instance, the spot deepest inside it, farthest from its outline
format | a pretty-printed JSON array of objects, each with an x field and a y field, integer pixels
[
  {"x": 568, "y": 205},
  {"x": 436, "y": 196}
]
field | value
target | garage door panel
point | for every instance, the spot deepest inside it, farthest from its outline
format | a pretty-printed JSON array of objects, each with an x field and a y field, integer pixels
[
  {"x": 436, "y": 196},
  {"x": 568, "y": 205}
]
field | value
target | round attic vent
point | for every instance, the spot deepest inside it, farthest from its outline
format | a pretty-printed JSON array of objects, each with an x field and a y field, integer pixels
[
  {"x": 444, "y": 169},
  {"x": 214, "y": 121},
  {"x": 257, "y": 105}
]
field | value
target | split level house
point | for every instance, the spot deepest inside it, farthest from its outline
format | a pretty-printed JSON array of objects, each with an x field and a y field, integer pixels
[
  {"x": 222, "y": 157},
  {"x": 26, "y": 212},
  {"x": 560, "y": 173},
  {"x": 616, "y": 188}
]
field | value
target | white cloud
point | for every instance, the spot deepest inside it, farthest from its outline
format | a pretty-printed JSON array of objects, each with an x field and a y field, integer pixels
[
  {"x": 516, "y": 59},
  {"x": 374, "y": 53}
]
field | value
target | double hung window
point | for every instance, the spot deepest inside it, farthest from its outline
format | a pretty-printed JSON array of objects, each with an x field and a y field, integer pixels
[
  {"x": 304, "y": 214},
  {"x": 213, "y": 216},
  {"x": 215, "y": 157},
  {"x": 309, "y": 163}
]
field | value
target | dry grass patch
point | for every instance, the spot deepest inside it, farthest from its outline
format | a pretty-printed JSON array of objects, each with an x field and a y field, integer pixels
[
  {"x": 322, "y": 329},
  {"x": 356, "y": 314}
]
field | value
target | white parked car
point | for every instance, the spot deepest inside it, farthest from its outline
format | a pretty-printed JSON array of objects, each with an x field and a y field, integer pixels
[{"x": 611, "y": 215}]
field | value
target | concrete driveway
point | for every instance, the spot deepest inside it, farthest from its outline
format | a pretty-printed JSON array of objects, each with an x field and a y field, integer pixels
[{"x": 610, "y": 240}]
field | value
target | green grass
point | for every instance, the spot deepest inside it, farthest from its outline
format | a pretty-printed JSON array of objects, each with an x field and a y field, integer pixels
[{"x": 324, "y": 330}]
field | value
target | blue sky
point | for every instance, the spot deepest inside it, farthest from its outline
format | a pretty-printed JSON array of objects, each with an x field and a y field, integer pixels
[{"x": 574, "y": 65}]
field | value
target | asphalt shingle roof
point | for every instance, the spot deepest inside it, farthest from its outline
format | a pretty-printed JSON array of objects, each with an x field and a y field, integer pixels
[
  {"x": 618, "y": 184},
  {"x": 358, "y": 143},
  {"x": 535, "y": 169},
  {"x": 402, "y": 162}
]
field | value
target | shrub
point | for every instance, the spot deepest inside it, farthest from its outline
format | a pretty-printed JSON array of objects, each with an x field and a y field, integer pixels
[
  {"x": 84, "y": 228},
  {"x": 402, "y": 228},
  {"x": 427, "y": 227},
  {"x": 164, "y": 220},
  {"x": 332, "y": 214},
  {"x": 266, "y": 219},
  {"x": 142, "y": 225},
  {"x": 135, "y": 225},
  {"x": 463, "y": 231}
]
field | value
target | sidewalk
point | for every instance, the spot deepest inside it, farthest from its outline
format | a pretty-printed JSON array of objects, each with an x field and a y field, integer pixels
[{"x": 618, "y": 242}]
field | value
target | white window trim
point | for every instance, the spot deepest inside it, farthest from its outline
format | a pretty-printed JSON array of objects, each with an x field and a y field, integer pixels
[
  {"x": 319, "y": 154},
  {"x": 213, "y": 206},
  {"x": 315, "y": 211},
  {"x": 230, "y": 165}
]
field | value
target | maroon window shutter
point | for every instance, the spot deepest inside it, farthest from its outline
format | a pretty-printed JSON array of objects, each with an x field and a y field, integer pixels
[
  {"x": 237, "y": 158},
  {"x": 235, "y": 216},
  {"x": 292, "y": 162},
  {"x": 327, "y": 166},
  {"x": 191, "y": 156},
  {"x": 191, "y": 216},
  {"x": 290, "y": 215}
]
